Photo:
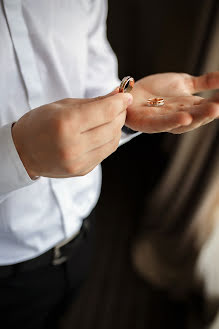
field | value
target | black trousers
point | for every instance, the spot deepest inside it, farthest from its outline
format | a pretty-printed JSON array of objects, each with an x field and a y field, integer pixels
[{"x": 37, "y": 298}]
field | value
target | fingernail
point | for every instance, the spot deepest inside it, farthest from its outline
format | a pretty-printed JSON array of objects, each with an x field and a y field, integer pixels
[{"x": 129, "y": 98}]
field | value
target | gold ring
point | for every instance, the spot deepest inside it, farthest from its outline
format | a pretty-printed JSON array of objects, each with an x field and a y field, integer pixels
[
  {"x": 126, "y": 85},
  {"x": 155, "y": 102}
]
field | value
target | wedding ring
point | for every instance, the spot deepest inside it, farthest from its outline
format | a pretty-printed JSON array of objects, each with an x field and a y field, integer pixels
[
  {"x": 155, "y": 102},
  {"x": 126, "y": 85}
]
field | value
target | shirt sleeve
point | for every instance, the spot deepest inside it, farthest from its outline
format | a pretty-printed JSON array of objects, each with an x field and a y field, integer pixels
[
  {"x": 13, "y": 174},
  {"x": 102, "y": 71}
]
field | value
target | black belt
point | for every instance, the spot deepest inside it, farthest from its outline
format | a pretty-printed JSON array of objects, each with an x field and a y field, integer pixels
[{"x": 55, "y": 256}]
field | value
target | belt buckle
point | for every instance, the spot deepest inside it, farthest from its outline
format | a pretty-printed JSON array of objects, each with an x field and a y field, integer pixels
[{"x": 58, "y": 259}]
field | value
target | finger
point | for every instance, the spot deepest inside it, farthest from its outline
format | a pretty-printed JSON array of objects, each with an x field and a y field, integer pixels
[
  {"x": 103, "y": 134},
  {"x": 87, "y": 170},
  {"x": 71, "y": 101},
  {"x": 204, "y": 82},
  {"x": 160, "y": 123},
  {"x": 184, "y": 129},
  {"x": 204, "y": 111},
  {"x": 215, "y": 98},
  {"x": 91, "y": 159},
  {"x": 90, "y": 100},
  {"x": 102, "y": 111},
  {"x": 202, "y": 115},
  {"x": 169, "y": 121}
]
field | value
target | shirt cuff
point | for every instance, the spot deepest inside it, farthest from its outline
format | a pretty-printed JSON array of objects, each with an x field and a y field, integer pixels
[
  {"x": 126, "y": 137},
  {"x": 13, "y": 174}
]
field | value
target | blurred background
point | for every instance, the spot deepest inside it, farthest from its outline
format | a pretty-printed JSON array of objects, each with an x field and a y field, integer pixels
[{"x": 148, "y": 37}]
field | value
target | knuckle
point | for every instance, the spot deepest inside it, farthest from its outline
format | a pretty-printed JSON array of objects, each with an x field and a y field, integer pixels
[
  {"x": 58, "y": 125},
  {"x": 65, "y": 125},
  {"x": 72, "y": 168},
  {"x": 83, "y": 173},
  {"x": 115, "y": 144},
  {"x": 72, "y": 153},
  {"x": 86, "y": 171},
  {"x": 76, "y": 151},
  {"x": 65, "y": 155}
]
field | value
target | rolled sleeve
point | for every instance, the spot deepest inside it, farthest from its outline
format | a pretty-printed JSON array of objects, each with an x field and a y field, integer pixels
[{"x": 13, "y": 174}]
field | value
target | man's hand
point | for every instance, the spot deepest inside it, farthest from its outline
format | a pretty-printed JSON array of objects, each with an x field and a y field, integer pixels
[
  {"x": 182, "y": 111},
  {"x": 70, "y": 137}
]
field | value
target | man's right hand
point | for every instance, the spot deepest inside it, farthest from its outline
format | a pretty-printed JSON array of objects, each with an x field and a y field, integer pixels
[{"x": 70, "y": 137}]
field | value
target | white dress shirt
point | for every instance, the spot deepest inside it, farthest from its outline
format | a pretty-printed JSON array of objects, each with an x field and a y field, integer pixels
[{"x": 49, "y": 50}]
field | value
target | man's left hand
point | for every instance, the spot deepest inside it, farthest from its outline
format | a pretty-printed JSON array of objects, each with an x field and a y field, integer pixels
[{"x": 182, "y": 110}]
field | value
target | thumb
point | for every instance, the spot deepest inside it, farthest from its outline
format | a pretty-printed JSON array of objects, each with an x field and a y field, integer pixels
[{"x": 119, "y": 101}]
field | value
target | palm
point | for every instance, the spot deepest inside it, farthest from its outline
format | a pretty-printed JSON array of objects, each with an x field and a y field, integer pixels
[{"x": 182, "y": 111}]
